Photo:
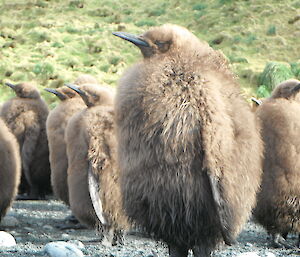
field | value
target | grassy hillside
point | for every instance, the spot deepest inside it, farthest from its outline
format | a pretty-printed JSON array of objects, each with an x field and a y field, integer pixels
[{"x": 51, "y": 42}]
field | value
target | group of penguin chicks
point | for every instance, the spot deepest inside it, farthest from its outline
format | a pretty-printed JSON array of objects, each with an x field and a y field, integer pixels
[{"x": 176, "y": 151}]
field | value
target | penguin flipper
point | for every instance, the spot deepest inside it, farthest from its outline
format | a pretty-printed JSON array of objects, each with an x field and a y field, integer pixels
[
  {"x": 223, "y": 212},
  {"x": 94, "y": 190}
]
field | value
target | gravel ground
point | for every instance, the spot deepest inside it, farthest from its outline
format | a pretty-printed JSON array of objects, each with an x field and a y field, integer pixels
[{"x": 36, "y": 228}]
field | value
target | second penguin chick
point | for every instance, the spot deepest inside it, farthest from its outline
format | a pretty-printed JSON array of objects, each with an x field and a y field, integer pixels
[
  {"x": 92, "y": 174},
  {"x": 278, "y": 204}
]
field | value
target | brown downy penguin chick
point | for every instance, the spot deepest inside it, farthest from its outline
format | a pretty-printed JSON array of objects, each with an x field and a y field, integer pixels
[
  {"x": 97, "y": 128},
  {"x": 89, "y": 151},
  {"x": 278, "y": 204},
  {"x": 186, "y": 140},
  {"x": 10, "y": 171},
  {"x": 56, "y": 124},
  {"x": 26, "y": 117}
]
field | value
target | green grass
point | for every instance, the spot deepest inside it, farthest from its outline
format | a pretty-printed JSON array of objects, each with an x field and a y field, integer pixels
[{"x": 52, "y": 42}]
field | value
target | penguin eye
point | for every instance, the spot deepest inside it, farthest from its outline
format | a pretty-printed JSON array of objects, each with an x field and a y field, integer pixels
[{"x": 160, "y": 44}]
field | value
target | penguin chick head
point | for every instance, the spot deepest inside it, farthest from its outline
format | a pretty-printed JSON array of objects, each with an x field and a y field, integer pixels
[
  {"x": 56, "y": 92},
  {"x": 161, "y": 40},
  {"x": 85, "y": 79},
  {"x": 94, "y": 95},
  {"x": 68, "y": 92},
  {"x": 25, "y": 90},
  {"x": 287, "y": 89}
]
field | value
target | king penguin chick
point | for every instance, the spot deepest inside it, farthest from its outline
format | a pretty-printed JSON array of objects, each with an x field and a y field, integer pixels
[
  {"x": 56, "y": 124},
  {"x": 181, "y": 126},
  {"x": 26, "y": 116},
  {"x": 278, "y": 204},
  {"x": 91, "y": 155},
  {"x": 10, "y": 171}
]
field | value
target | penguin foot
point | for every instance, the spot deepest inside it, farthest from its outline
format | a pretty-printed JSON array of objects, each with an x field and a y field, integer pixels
[
  {"x": 70, "y": 222},
  {"x": 279, "y": 242}
]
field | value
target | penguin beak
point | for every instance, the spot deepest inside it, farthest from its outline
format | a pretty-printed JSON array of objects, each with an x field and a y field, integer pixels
[
  {"x": 12, "y": 86},
  {"x": 53, "y": 91},
  {"x": 132, "y": 38},
  {"x": 296, "y": 89},
  {"x": 258, "y": 102},
  {"x": 76, "y": 89}
]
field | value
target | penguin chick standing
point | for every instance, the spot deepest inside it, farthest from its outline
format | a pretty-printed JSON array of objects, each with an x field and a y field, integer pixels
[
  {"x": 10, "y": 171},
  {"x": 278, "y": 204},
  {"x": 26, "y": 117},
  {"x": 91, "y": 155},
  {"x": 186, "y": 140},
  {"x": 56, "y": 124}
]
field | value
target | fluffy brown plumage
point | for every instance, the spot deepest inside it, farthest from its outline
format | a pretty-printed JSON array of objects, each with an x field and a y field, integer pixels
[
  {"x": 56, "y": 124},
  {"x": 278, "y": 206},
  {"x": 85, "y": 79},
  {"x": 186, "y": 143},
  {"x": 91, "y": 145},
  {"x": 10, "y": 171},
  {"x": 26, "y": 117}
]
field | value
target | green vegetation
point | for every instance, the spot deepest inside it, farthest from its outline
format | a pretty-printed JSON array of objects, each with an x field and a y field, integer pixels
[
  {"x": 51, "y": 42},
  {"x": 273, "y": 74}
]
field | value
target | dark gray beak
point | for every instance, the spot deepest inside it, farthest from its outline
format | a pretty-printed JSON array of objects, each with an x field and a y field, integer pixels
[
  {"x": 53, "y": 91},
  {"x": 296, "y": 89},
  {"x": 76, "y": 89},
  {"x": 132, "y": 38},
  {"x": 258, "y": 102},
  {"x": 10, "y": 85}
]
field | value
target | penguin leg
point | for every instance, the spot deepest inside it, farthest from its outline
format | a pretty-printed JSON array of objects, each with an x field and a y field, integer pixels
[
  {"x": 70, "y": 222},
  {"x": 200, "y": 251},
  {"x": 279, "y": 242},
  {"x": 284, "y": 235},
  {"x": 118, "y": 237},
  {"x": 177, "y": 251},
  {"x": 108, "y": 237}
]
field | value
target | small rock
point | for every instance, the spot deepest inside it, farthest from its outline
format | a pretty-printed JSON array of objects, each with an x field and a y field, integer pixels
[
  {"x": 6, "y": 239},
  {"x": 9, "y": 221},
  {"x": 29, "y": 229},
  {"x": 249, "y": 244},
  {"x": 48, "y": 227},
  {"x": 62, "y": 249},
  {"x": 78, "y": 243},
  {"x": 248, "y": 254},
  {"x": 270, "y": 254},
  {"x": 65, "y": 236}
]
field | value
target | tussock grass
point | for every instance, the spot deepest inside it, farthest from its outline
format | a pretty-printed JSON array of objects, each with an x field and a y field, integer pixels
[{"x": 53, "y": 41}]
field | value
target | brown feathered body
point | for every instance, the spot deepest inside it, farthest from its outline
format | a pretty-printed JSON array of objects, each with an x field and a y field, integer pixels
[
  {"x": 26, "y": 117},
  {"x": 102, "y": 155},
  {"x": 278, "y": 206},
  {"x": 10, "y": 171},
  {"x": 180, "y": 118},
  {"x": 91, "y": 141},
  {"x": 56, "y": 125}
]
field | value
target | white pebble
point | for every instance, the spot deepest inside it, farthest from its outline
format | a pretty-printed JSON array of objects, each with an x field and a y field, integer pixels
[
  {"x": 248, "y": 254},
  {"x": 47, "y": 227},
  {"x": 62, "y": 249},
  {"x": 9, "y": 221},
  {"x": 65, "y": 236},
  {"x": 78, "y": 243},
  {"x": 270, "y": 255},
  {"x": 6, "y": 239}
]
